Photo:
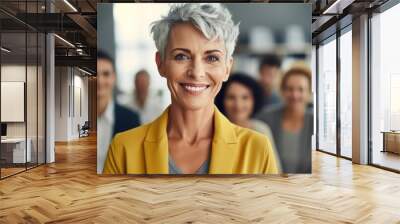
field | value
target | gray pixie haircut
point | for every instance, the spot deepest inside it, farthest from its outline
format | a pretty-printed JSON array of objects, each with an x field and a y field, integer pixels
[{"x": 212, "y": 19}]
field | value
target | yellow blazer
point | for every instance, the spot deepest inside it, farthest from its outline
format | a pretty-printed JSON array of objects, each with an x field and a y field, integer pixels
[{"x": 235, "y": 150}]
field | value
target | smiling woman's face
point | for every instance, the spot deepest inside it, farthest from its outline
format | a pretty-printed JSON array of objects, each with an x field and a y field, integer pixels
[{"x": 194, "y": 67}]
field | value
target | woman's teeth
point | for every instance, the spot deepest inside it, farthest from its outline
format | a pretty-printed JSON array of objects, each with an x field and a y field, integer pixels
[{"x": 194, "y": 88}]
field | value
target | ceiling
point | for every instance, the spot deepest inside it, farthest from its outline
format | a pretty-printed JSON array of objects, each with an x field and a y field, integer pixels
[
  {"x": 76, "y": 22},
  {"x": 331, "y": 15},
  {"x": 73, "y": 21}
]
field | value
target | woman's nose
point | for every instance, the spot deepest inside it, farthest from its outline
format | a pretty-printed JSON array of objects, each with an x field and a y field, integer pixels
[{"x": 197, "y": 69}]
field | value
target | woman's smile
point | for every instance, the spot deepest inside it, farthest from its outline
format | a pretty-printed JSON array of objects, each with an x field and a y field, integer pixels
[{"x": 194, "y": 89}]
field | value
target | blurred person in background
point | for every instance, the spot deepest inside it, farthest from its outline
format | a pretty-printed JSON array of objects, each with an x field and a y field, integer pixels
[
  {"x": 240, "y": 98},
  {"x": 291, "y": 122},
  {"x": 148, "y": 103},
  {"x": 269, "y": 75},
  {"x": 112, "y": 118},
  {"x": 195, "y": 43}
]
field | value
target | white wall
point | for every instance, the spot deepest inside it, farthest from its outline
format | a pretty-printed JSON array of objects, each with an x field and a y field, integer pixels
[
  {"x": 10, "y": 73},
  {"x": 16, "y": 73},
  {"x": 80, "y": 94},
  {"x": 33, "y": 126},
  {"x": 71, "y": 87},
  {"x": 61, "y": 103}
]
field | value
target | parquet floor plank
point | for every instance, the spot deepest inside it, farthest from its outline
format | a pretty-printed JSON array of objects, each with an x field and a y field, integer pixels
[{"x": 69, "y": 191}]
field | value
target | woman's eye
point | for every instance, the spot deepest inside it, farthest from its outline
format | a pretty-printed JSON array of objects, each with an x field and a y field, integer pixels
[
  {"x": 212, "y": 58},
  {"x": 230, "y": 97},
  {"x": 180, "y": 57},
  {"x": 246, "y": 97}
]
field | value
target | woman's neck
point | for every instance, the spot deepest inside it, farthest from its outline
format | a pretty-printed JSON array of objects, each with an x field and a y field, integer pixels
[
  {"x": 293, "y": 119},
  {"x": 294, "y": 112},
  {"x": 191, "y": 125}
]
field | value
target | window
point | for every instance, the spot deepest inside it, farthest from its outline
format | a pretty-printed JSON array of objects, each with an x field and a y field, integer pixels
[
  {"x": 346, "y": 94},
  {"x": 314, "y": 90},
  {"x": 385, "y": 89},
  {"x": 327, "y": 96}
]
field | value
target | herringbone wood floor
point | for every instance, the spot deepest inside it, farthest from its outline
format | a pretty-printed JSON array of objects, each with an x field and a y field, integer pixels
[{"x": 69, "y": 191}]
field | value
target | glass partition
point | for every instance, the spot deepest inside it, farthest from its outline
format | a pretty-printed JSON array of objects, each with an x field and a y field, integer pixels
[
  {"x": 31, "y": 97},
  {"x": 41, "y": 111},
  {"x": 23, "y": 89},
  {"x": 14, "y": 151}
]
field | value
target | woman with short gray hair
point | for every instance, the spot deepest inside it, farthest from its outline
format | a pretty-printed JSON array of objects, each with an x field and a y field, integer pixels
[{"x": 195, "y": 43}]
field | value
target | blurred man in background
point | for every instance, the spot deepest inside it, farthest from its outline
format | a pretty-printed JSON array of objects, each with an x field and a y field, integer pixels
[
  {"x": 149, "y": 104},
  {"x": 111, "y": 117},
  {"x": 269, "y": 72}
]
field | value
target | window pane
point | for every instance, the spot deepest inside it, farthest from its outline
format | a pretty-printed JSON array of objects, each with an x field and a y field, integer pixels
[
  {"x": 327, "y": 97},
  {"x": 385, "y": 86},
  {"x": 346, "y": 94},
  {"x": 314, "y": 90}
]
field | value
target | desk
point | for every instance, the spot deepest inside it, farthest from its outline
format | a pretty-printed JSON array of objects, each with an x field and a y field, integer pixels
[
  {"x": 391, "y": 141},
  {"x": 13, "y": 150}
]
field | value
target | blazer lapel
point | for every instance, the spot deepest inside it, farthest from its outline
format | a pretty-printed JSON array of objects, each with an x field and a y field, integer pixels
[
  {"x": 156, "y": 146},
  {"x": 224, "y": 146},
  {"x": 223, "y": 153}
]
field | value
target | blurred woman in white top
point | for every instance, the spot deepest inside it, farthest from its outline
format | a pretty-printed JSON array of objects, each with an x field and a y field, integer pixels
[{"x": 147, "y": 102}]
